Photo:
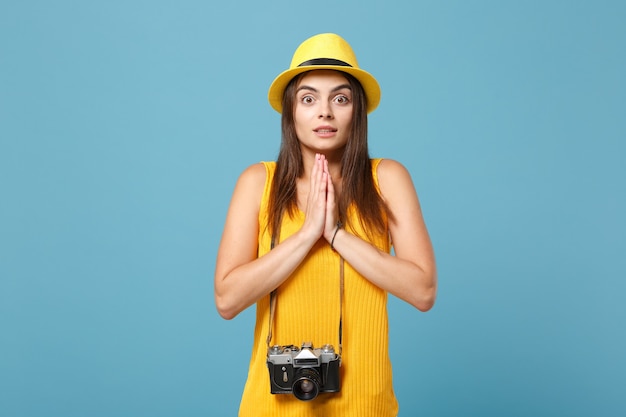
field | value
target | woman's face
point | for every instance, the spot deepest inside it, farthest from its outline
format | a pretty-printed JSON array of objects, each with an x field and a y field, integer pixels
[{"x": 323, "y": 111}]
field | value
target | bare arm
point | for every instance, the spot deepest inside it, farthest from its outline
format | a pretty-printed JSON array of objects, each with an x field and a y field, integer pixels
[
  {"x": 411, "y": 273},
  {"x": 241, "y": 278}
]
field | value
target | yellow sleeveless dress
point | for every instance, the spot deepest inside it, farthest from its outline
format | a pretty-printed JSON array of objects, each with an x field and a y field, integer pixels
[{"x": 307, "y": 310}]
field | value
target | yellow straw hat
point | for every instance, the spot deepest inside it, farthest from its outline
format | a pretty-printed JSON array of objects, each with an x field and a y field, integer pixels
[{"x": 324, "y": 51}]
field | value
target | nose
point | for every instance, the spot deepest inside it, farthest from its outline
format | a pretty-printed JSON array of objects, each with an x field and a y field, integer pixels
[{"x": 326, "y": 111}]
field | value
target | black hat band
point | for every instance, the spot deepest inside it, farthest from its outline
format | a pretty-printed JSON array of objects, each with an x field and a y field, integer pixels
[{"x": 324, "y": 61}]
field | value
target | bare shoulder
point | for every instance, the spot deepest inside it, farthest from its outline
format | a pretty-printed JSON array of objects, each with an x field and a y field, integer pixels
[
  {"x": 252, "y": 180},
  {"x": 243, "y": 210},
  {"x": 391, "y": 167},
  {"x": 246, "y": 198},
  {"x": 255, "y": 173},
  {"x": 393, "y": 178}
]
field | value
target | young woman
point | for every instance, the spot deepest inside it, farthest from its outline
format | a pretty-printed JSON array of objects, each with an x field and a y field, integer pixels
[{"x": 308, "y": 239}]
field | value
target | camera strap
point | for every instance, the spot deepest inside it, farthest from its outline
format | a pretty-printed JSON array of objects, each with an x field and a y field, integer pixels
[{"x": 274, "y": 296}]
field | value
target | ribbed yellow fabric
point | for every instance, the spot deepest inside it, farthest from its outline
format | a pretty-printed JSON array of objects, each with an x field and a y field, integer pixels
[{"x": 307, "y": 310}]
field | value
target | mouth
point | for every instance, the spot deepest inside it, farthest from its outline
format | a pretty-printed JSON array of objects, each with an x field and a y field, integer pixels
[{"x": 325, "y": 130}]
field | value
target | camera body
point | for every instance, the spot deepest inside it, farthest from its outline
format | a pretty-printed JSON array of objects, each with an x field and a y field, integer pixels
[{"x": 304, "y": 372}]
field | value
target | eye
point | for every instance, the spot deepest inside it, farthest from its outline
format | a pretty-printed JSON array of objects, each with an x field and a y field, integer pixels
[
  {"x": 307, "y": 99},
  {"x": 341, "y": 99}
]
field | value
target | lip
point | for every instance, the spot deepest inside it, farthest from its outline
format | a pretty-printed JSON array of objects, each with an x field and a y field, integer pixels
[{"x": 325, "y": 131}]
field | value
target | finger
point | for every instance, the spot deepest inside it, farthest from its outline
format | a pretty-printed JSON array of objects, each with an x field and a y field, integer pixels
[
  {"x": 314, "y": 179},
  {"x": 330, "y": 202},
  {"x": 322, "y": 178},
  {"x": 329, "y": 186}
]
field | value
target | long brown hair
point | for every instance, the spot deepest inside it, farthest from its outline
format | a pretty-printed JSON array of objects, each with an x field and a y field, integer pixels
[{"x": 358, "y": 186}]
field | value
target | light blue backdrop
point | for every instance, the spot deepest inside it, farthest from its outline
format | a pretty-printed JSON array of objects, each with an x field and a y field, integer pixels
[{"x": 124, "y": 125}]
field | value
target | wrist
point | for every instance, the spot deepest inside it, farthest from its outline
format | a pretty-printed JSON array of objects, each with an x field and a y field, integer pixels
[
  {"x": 333, "y": 236},
  {"x": 306, "y": 236}
]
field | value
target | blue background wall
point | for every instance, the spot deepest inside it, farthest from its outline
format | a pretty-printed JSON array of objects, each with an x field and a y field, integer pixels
[{"x": 124, "y": 125}]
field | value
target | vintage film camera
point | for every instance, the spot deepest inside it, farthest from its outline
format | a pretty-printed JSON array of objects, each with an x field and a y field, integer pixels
[{"x": 305, "y": 371}]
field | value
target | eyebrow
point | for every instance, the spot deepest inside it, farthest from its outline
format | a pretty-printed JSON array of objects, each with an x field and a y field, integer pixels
[{"x": 339, "y": 87}]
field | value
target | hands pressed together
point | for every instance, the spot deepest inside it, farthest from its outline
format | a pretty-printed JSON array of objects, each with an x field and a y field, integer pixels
[{"x": 321, "y": 213}]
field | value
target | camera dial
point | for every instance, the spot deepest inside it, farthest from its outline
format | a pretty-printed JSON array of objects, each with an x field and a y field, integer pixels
[{"x": 276, "y": 350}]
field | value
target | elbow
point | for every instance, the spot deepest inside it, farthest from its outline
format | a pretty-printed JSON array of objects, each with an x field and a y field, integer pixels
[
  {"x": 425, "y": 305},
  {"x": 224, "y": 309},
  {"x": 225, "y": 313},
  {"x": 224, "y": 301},
  {"x": 426, "y": 299}
]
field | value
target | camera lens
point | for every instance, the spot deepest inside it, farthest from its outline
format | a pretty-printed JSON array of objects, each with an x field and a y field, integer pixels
[{"x": 307, "y": 384}]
